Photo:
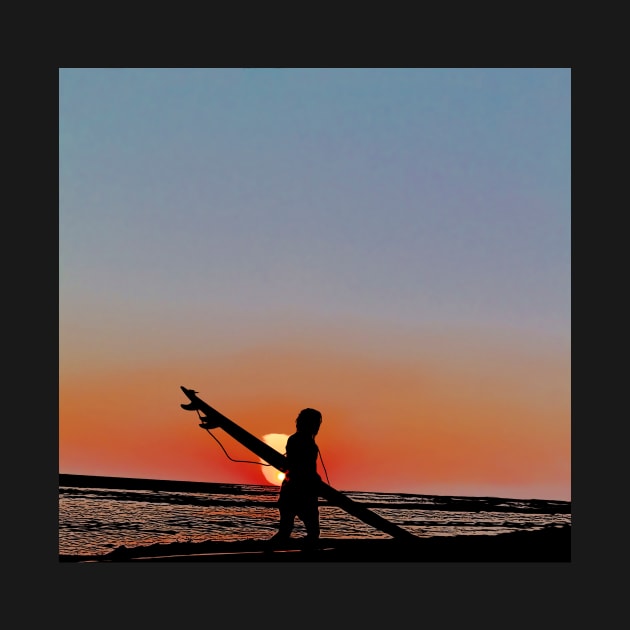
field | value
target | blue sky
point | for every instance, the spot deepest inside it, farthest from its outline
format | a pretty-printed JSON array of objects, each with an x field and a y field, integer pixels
[{"x": 418, "y": 195}]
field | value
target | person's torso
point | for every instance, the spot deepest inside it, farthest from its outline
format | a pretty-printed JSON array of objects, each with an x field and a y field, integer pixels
[{"x": 302, "y": 458}]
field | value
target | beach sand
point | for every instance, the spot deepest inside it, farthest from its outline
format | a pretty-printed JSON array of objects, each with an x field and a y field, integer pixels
[{"x": 551, "y": 544}]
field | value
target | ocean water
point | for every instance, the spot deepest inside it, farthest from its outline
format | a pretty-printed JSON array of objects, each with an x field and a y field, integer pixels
[{"x": 99, "y": 514}]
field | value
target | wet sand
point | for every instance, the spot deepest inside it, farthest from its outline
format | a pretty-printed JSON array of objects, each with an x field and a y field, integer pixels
[{"x": 551, "y": 544}]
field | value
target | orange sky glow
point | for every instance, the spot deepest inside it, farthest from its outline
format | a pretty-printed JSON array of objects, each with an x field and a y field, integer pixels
[{"x": 492, "y": 424}]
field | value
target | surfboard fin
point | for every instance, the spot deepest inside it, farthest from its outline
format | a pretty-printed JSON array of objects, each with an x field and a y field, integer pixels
[{"x": 206, "y": 424}]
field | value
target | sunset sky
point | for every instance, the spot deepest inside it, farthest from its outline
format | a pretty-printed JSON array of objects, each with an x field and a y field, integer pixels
[{"x": 390, "y": 246}]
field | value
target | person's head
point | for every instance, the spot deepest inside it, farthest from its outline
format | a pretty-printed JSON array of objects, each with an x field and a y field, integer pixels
[{"x": 308, "y": 421}]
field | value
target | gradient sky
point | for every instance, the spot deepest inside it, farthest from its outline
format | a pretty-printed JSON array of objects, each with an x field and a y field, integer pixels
[{"x": 389, "y": 246}]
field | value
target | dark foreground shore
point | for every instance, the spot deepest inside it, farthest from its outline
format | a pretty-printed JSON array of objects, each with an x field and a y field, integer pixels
[{"x": 551, "y": 544}]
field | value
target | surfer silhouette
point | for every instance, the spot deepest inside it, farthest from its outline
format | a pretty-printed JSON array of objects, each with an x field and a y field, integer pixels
[{"x": 300, "y": 488}]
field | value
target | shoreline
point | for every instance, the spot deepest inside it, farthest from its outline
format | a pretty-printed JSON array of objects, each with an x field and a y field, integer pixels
[{"x": 548, "y": 544}]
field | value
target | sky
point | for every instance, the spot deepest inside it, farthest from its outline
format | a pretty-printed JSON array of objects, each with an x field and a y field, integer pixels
[{"x": 390, "y": 246}]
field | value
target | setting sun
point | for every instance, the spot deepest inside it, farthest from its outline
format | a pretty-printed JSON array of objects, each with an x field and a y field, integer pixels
[{"x": 279, "y": 442}]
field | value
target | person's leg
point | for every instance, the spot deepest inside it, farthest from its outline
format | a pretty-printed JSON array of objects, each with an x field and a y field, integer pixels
[
  {"x": 287, "y": 516},
  {"x": 310, "y": 517},
  {"x": 287, "y": 521}
]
